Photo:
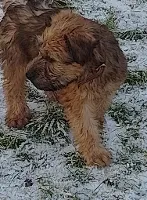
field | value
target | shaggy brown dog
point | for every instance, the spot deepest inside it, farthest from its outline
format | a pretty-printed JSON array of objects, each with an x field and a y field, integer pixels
[
  {"x": 22, "y": 21},
  {"x": 80, "y": 60}
]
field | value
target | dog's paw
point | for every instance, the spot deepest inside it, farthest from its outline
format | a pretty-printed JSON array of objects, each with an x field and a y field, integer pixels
[
  {"x": 98, "y": 156},
  {"x": 19, "y": 119}
]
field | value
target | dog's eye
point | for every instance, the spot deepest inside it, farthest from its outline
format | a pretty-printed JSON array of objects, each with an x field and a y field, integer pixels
[
  {"x": 68, "y": 62},
  {"x": 49, "y": 59}
]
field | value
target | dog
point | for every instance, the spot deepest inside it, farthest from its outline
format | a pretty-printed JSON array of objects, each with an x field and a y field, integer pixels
[
  {"x": 81, "y": 63},
  {"x": 22, "y": 21}
]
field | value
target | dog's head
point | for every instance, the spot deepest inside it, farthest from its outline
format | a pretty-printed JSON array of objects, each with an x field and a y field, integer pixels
[
  {"x": 53, "y": 68},
  {"x": 65, "y": 56}
]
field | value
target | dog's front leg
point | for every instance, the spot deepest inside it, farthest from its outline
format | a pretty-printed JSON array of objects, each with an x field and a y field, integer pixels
[
  {"x": 17, "y": 114},
  {"x": 86, "y": 128}
]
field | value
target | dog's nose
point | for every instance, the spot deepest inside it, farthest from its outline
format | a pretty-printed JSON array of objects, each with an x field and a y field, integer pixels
[{"x": 30, "y": 75}]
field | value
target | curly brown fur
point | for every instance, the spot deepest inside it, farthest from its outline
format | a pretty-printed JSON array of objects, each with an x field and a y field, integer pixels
[
  {"x": 19, "y": 28},
  {"x": 73, "y": 49}
]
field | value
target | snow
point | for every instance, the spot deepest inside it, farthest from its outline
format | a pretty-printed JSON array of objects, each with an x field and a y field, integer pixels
[
  {"x": 129, "y": 14},
  {"x": 136, "y": 50},
  {"x": 53, "y": 169}
]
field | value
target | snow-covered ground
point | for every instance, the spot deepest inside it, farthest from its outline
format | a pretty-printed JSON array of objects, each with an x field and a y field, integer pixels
[{"x": 40, "y": 162}]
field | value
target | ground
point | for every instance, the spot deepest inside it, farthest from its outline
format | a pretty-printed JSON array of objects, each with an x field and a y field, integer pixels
[{"x": 40, "y": 162}]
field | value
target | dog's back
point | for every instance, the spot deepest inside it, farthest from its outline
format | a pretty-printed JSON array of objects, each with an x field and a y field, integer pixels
[{"x": 35, "y": 5}]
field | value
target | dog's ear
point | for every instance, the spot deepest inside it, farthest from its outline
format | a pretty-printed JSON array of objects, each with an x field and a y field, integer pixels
[
  {"x": 80, "y": 49},
  {"x": 98, "y": 55}
]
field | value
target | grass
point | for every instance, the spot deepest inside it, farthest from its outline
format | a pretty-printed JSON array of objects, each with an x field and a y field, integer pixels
[
  {"x": 136, "y": 77},
  {"x": 46, "y": 187},
  {"x": 9, "y": 141},
  {"x": 50, "y": 126},
  {"x": 132, "y": 35},
  {"x": 33, "y": 94},
  {"x": 22, "y": 156},
  {"x": 63, "y": 4},
  {"x": 121, "y": 113},
  {"x": 129, "y": 116},
  {"x": 74, "y": 160},
  {"x": 111, "y": 20},
  {"x": 50, "y": 190}
]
